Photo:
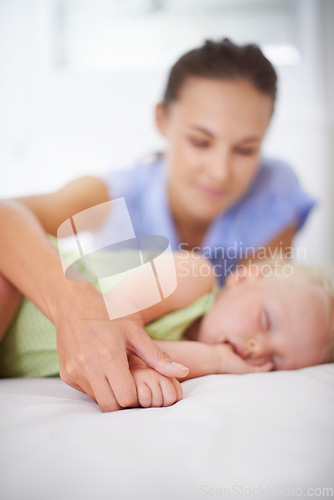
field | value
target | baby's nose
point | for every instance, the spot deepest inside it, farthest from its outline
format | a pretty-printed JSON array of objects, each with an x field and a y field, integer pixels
[{"x": 256, "y": 346}]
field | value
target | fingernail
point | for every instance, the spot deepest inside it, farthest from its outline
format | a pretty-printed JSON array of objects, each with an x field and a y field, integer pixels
[{"x": 178, "y": 365}]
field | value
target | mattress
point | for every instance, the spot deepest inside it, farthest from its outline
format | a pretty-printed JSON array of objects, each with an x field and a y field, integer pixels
[{"x": 262, "y": 435}]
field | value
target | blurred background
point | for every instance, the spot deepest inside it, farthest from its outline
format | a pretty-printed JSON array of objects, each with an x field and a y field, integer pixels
[{"x": 79, "y": 80}]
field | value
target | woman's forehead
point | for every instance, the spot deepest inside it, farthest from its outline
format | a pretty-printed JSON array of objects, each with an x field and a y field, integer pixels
[{"x": 210, "y": 94}]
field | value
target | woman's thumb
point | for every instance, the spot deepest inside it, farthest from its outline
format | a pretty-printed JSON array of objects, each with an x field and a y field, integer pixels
[
  {"x": 166, "y": 366},
  {"x": 159, "y": 360}
]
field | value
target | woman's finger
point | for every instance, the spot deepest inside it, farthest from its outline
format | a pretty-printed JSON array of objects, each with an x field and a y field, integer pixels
[
  {"x": 102, "y": 393},
  {"x": 143, "y": 347},
  {"x": 120, "y": 379},
  {"x": 85, "y": 389}
]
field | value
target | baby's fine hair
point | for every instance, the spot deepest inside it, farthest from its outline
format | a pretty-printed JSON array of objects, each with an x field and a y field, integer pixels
[
  {"x": 322, "y": 275},
  {"x": 223, "y": 60}
]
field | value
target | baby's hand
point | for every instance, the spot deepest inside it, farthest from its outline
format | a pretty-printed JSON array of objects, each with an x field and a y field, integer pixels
[
  {"x": 153, "y": 389},
  {"x": 227, "y": 361}
]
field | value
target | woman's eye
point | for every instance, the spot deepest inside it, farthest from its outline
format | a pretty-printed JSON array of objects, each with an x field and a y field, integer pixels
[
  {"x": 245, "y": 151},
  {"x": 198, "y": 143},
  {"x": 265, "y": 320}
]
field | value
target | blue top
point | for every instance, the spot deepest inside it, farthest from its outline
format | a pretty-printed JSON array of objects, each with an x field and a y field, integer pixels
[{"x": 274, "y": 201}]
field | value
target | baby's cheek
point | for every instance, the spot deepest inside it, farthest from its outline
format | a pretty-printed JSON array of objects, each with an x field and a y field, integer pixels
[{"x": 210, "y": 331}]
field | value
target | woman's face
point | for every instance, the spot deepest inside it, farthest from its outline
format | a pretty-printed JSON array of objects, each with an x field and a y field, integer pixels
[
  {"x": 283, "y": 320},
  {"x": 214, "y": 132}
]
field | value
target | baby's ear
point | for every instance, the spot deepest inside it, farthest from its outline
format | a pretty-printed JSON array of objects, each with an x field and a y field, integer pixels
[{"x": 243, "y": 273}]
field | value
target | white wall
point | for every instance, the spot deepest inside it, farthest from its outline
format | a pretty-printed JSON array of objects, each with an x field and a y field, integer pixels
[
  {"x": 302, "y": 129},
  {"x": 57, "y": 124}
]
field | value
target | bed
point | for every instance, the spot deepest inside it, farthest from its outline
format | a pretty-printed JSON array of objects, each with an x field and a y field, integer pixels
[{"x": 265, "y": 435}]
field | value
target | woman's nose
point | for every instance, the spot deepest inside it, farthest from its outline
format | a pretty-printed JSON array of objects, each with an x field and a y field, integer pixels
[{"x": 220, "y": 168}]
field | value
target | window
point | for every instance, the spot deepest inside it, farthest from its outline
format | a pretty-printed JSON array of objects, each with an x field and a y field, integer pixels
[{"x": 143, "y": 35}]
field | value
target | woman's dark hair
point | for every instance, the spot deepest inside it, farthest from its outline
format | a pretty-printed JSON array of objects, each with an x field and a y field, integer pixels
[{"x": 223, "y": 60}]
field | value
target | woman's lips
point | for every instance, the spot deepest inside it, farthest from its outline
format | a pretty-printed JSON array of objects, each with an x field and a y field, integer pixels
[{"x": 211, "y": 192}]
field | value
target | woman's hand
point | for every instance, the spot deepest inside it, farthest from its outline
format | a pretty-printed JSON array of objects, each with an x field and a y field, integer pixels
[
  {"x": 93, "y": 352},
  {"x": 153, "y": 389},
  {"x": 225, "y": 360}
]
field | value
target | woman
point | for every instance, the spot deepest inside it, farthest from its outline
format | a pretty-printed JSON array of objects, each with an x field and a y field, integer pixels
[
  {"x": 210, "y": 191},
  {"x": 211, "y": 188}
]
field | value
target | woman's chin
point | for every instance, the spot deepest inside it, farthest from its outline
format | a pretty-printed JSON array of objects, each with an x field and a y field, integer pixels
[{"x": 205, "y": 210}]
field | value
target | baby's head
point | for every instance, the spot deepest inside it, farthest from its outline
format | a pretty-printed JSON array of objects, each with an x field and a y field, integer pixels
[{"x": 275, "y": 311}]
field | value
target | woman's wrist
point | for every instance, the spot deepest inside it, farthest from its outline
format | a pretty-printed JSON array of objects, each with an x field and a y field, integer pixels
[{"x": 75, "y": 300}]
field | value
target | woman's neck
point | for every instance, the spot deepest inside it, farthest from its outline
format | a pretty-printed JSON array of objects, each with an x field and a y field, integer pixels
[
  {"x": 190, "y": 230},
  {"x": 193, "y": 236}
]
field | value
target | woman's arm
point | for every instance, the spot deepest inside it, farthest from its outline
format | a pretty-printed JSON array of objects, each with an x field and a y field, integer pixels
[
  {"x": 52, "y": 209},
  {"x": 10, "y": 299},
  {"x": 92, "y": 349},
  {"x": 277, "y": 248}
]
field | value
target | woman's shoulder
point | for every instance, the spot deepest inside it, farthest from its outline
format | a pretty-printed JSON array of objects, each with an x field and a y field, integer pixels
[
  {"x": 275, "y": 201},
  {"x": 134, "y": 177},
  {"x": 274, "y": 175}
]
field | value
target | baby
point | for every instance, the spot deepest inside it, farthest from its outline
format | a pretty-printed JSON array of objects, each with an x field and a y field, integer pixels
[
  {"x": 274, "y": 312},
  {"x": 268, "y": 316}
]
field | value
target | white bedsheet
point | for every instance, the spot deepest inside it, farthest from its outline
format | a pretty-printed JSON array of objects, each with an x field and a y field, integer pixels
[{"x": 232, "y": 436}]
